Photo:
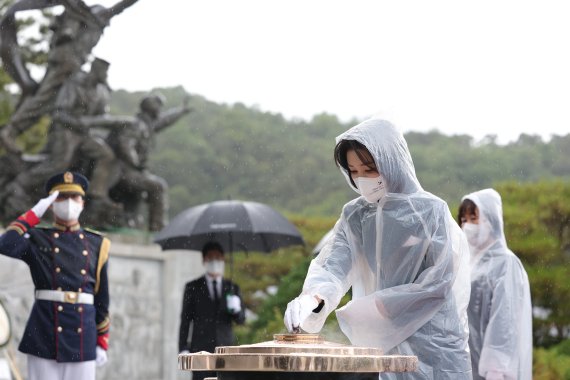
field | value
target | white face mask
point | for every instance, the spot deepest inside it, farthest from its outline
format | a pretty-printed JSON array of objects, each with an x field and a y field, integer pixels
[
  {"x": 471, "y": 232},
  {"x": 67, "y": 210},
  {"x": 215, "y": 267},
  {"x": 477, "y": 234},
  {"x": 372, "y": 189}
]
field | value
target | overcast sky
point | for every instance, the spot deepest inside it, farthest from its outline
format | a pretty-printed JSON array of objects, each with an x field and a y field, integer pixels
[{"x": 479, "y": 67}]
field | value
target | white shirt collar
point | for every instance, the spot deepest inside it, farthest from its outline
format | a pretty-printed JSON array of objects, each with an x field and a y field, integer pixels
[
  {"x": 210, "y": 284},
  {"x": 211, "y": 278}
]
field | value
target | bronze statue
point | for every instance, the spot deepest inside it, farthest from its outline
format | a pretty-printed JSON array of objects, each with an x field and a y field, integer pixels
[
  {"x": 112, "y": 151},
  {"x": 131, "y": 141},
  {"x": 84, "y": 94},
  {"x": 75, "y": 33}
]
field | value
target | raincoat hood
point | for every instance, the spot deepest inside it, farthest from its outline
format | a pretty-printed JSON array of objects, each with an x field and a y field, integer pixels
[
  {"x": 390, "y": 151},
  {"x": 490, "y": 207}
]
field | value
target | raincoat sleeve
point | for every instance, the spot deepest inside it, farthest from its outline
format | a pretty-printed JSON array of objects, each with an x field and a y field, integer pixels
[
  {"x": 389, "y": 316},
  {"x": 508, "y": 336},
  {"x": 328, "y": 276}
]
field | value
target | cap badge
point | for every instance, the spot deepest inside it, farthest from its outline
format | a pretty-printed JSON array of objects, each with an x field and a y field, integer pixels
[{"x": 68, "y": 177}]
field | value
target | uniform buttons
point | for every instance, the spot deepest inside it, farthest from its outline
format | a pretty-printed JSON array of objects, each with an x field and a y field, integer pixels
[
  {"x": 79, "y": 330},
  {"x": 58, "y": 269},
  {"x": 56, "y": 249},
  {"x": 59, "y": 329},
  {"x": 85, "y": 253},
  {"x": 81, "y": 236},
  {"x": 80, "y": 309},
  {"x": 83, "y": 271},
  {"x": 56, "y": 235},
  {"x": 60, "y": 308}
]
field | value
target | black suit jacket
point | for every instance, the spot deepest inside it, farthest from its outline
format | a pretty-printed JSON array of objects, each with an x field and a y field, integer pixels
[{"x": 212, "y": 325}]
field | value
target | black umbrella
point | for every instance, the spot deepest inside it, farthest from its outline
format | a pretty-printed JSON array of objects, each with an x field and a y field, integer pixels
[{"x": 236, "y": 225}]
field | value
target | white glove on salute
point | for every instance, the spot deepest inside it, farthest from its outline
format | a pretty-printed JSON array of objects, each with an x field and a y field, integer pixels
[
  {"x": 234, "y": 304},
  {"x": 41, "y": 207},
  {"x": 298, "y": 310},
  {"x": 101, "y": 358}
]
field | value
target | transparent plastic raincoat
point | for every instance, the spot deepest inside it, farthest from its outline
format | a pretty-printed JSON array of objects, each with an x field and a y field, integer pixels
[
  {"x": 407, "y": 262},
  {"x": 500, "y": 315}
]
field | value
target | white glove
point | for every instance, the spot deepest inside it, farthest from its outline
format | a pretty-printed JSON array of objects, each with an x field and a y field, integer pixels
[
  {"x": 101, "y": 358},
  {"x": 494, "y": 375},
  {"x": 298, "y": 310},
  {"x": 41, "y": 207},
  {"x": 234, "y": 304}
]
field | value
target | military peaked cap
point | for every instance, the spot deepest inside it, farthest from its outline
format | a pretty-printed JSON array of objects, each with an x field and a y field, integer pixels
[{"x": 68, "y": 182}]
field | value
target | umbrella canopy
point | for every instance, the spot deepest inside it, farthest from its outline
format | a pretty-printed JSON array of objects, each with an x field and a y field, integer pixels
[{"x": 236, "y": 225}]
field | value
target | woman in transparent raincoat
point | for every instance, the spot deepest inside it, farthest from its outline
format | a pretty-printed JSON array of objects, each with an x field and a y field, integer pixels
[
  {"x": 500, "y": 315},
  {"x": 402, "y": 253}
]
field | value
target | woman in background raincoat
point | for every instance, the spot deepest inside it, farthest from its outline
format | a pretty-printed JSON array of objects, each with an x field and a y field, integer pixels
[
  {"x": 500, "y": 315},
  {"x": 402, "y": 253}
]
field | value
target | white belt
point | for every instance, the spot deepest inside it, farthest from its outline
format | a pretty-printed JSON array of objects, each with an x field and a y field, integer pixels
[{"x": 61, "y": 296}]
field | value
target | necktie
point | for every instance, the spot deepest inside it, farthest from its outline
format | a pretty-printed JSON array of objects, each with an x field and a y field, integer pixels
[{"x": 216, "y": 295}]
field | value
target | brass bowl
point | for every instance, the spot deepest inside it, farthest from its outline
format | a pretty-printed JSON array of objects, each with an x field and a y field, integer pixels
[{"x": 297, "y": 353}]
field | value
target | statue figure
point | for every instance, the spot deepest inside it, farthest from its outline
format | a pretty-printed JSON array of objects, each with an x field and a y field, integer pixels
[
  {"x": 129, "y": 181},
  {"x": 84, "y": 94},
  {"x": 77, "y": 101},
  {"x": 131, "y": 142},
  {"x": 75, "y": 32}
]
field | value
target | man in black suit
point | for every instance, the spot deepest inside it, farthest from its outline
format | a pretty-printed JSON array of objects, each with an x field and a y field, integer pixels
[{"x": 210, "y": 303}]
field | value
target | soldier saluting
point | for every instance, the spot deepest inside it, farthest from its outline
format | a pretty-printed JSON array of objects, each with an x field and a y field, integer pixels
[{"x": 67, "y": 331}]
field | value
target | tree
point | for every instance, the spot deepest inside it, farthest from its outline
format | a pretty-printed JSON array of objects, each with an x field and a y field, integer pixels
[
  {"x": 537, "y": 228},
  {"x": 34, "y": 31}
]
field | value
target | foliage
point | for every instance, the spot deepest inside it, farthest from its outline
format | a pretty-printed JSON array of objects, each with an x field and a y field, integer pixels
[
  {"x": 550, "y": 291},
  {"x": 537, "y": 220},
  {"x": 257, "y": 272},
  {"x": 537, "y": 228},
  {"x": 33, "y": 31},
  {"x": 553, "y": 363},
  {"x": 221, "y": 151},
  {"x": 284, "y": 269},
  {"x": 270, "y": 313}
]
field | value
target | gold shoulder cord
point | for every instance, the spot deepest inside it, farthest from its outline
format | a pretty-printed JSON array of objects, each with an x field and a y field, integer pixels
[{"x": 103, "y": 257}]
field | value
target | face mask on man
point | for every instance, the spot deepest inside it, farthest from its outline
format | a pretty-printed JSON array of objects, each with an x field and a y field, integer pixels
[
  {"x": 67, "y": 210},
  {"x": 372, "y": 189},
  {"x": 215, "y": 267}
]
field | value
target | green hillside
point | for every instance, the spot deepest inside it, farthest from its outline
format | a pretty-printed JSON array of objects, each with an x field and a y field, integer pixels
[{"x": 221, "y": 151}]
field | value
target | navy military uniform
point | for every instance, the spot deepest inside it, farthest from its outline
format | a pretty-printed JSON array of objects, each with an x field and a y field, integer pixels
[{"x": 68, "y": 266}]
